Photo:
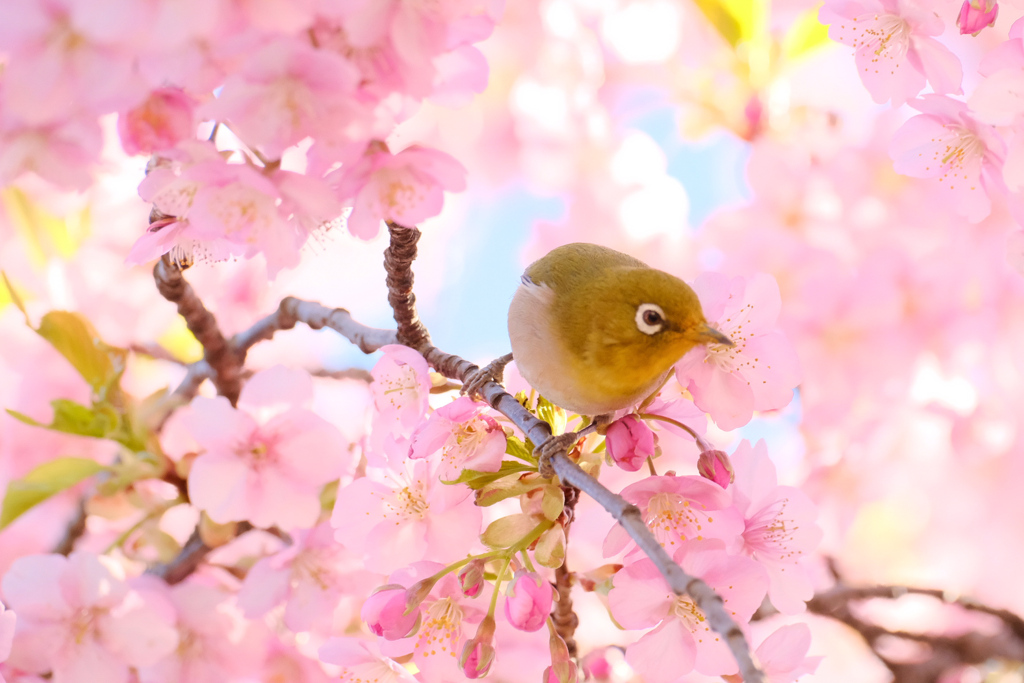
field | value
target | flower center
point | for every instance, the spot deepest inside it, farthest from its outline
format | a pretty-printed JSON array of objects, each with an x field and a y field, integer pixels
[
  {"x": 672, "y": 518},
  {"x": 441, "y": 630}
]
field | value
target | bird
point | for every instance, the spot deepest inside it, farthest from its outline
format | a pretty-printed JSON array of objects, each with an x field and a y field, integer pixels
[{"x": 595, "y": 331}]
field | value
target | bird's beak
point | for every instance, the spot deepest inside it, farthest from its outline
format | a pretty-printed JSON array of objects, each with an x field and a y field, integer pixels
[{"x": 709, "y": 335}]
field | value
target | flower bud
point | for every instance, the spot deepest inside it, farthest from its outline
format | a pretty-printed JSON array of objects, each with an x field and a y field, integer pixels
[
  {"x": 471, "y": 578},
  {"x": 384, "y": 613},
  {"x": 478, "y": 653},
  {"x": 715, "y": 465},
  {"x": 562, "y": 669},
  {"x": 630, "y": 442},
  {"x": 528, "y": 601},
  {"x": 976, "y": 15}
]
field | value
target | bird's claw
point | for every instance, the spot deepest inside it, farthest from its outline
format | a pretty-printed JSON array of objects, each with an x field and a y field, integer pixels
[
  {"x": 492, "y": 372},
  {"x": 551, "y": 447}
]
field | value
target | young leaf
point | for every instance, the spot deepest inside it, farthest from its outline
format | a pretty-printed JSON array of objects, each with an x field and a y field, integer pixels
[
  {"x": 71, "y": 334},
  {"x": 42, "y": 482},
  {"x": 477, "y": 480},
  {"x": 73, "y": 418}
]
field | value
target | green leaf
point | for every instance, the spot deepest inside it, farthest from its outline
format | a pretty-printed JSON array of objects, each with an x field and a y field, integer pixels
[
  {"x": 552, "y": 414},
  {"x": 505, "y": 488},
  {"x": 42, "y": 482},
  {"x": 507, "y": 531},
  {"x": 550, "y": 548},
  {"x": 74, "y": 418},
  {"x": 515, "y": 447},
  {"x": 806, "y": 34},
  {"x": 72, "y": 335},
  {"x": 553, "y": 502},
  {"x": 477, "y": 480}
]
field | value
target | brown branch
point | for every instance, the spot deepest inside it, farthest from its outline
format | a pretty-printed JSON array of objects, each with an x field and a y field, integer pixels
[
  {"x": 190, "y": 556},
  {"x": 73, "y": 531},
  {"x": 225, "y": 364},
  {"x": 563, "y": 615},
  {"x": 411, "y": 332},
  {"x": 186, "y": 561},
  {"x": 398, "y": 260},
  {"x": 945, "y": 653}
]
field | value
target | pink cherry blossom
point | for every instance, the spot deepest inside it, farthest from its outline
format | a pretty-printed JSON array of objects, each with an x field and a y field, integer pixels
[
  {"x": 630, "y": 442},
  {"x": 946, "y": 142},
  {"x": 780, "y": 526},
  {"x": 401, "y": 392},
  {"x": 401, "y": 516},
  {"x": 678, "y": 510},
  {"x": 442, "y": 637},
  {"x": 159, "y": 123},
  {"x": 225, "y": 210},
  {"x": 359, "y": 664},
  {"x": 215, "y": 642},
  {"x": 682, "y": 640},
  {"x": 760, "y": 371},
  {"x": 66, "y": 54},
  {"x": 976, "y": 15},
  {"x": 465, "y": 436},
  {"x": 783, "y": 654},
  {"x": 315, "y": 577},
  {"x": 895, "y": 52},
  {"x": 266, "y": 460},
  {"x": 78, "y": 617},
  {"x": 285, "y": 92},
  {"x": 62, "y": 152},
  {"x": 406, "y": 188},
  {"x": 528, "y": 601}
]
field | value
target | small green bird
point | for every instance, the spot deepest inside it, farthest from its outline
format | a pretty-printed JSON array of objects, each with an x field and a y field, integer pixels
[{"x": 595, "y": 330}]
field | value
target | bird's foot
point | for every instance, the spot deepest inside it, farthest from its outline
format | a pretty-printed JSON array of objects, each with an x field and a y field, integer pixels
[
  {"x": 492, "y": 372},
  {"x": 551, "y": 447},
  {"x": 600, "y": 423}
]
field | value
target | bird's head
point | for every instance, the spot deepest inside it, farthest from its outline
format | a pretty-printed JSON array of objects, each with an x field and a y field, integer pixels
[{"x": 650, "y": 318}]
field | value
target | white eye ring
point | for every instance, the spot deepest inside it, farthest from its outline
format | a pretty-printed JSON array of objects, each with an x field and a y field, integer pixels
[{"x": 649, "y": 318}]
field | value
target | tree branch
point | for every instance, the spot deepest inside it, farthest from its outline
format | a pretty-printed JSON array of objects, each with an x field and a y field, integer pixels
[
  {"x": 223, "y": 362},
  {"x": 945, "y": 653},
  {"x": 73, "y": 531},
  {"x": 397, "y": 262}
]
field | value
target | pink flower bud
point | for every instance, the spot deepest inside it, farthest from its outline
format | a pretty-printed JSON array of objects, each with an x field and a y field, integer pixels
[
  {"x": 976, "y": 15},
  {"x": 384, "y": 613},
  {"x": 630, "y": 442},
  {"x": 562, "y": 669},
  {"x": 715, "y": 465},
  {"x": 528, "y": 601},
  {"x": 471, "y": 578},
  {"x": 478, "y": 653}
]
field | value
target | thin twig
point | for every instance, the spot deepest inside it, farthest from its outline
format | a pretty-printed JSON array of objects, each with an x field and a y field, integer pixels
[
  {"x": 73, "y": 531},
  {"x": 191, "y": 555},
  {"x": 397, "y": 261}
]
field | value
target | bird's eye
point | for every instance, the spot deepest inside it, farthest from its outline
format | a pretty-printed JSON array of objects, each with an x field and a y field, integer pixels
[{"x": 649, "y": 318}]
